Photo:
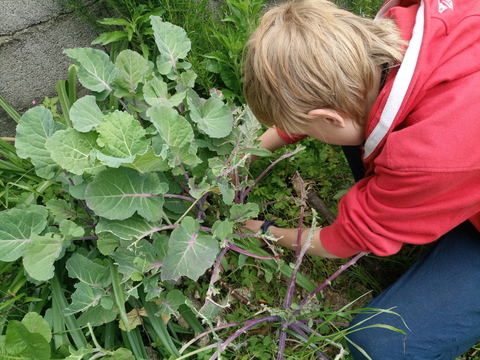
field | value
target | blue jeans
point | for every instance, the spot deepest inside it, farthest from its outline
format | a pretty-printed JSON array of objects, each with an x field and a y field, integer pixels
[{"x": 438, "y": 298}]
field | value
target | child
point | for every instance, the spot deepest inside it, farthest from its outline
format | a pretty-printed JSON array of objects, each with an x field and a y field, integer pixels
[{"x": 405, "y": 90}]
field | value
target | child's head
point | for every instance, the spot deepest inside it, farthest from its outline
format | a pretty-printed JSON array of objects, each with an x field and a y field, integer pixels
[{"x": 309, "y": 54}]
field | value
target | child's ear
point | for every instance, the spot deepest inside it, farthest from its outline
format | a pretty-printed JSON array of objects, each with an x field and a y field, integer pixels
[{"x": 328, "y": 116}]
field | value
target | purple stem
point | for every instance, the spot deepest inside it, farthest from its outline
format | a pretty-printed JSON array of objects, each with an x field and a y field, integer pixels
[
  {"x": 184, "y": 172},
  {"x": 299, "y": 251},
  {"x": 329, "y": 280},
  {"x": 241, "y": 251},
  {"x": 199, "y": 336},
  {"x": 249, "y": 324},
  {"x": 247, "y": 190},
  {"x": 188, "y": 198},
  {"x": 86, "y": 238},
  {"x": 216, "y": 268},
  {"x": 281, "y": 344},
  {"x": 297, "y": 328}
]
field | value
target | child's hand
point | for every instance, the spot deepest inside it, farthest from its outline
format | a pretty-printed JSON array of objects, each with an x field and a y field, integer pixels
[{"x": 253, "y": 225}]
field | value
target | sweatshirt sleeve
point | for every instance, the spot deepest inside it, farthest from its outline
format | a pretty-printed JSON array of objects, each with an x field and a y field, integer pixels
[
  {"x": 290, "y": 138},
  {"x": 382, "y": 212},
  {"x": 425, "y": 182}
]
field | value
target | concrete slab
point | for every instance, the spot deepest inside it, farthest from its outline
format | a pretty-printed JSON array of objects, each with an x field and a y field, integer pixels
[{"x": 31, "y": 62}]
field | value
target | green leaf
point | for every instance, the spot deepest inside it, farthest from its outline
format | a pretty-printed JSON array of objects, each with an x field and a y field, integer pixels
[
  {"x": 213, "y": 118},
  {"x": 33, "y": 130},
  {"x": 187, "y": 78},
  {"x": 72, "y": 149},
  {"x": 96, "y": 71},
  {"x": 85, "y": 114},
  {"x": 107, "y": 243},
  {"x": 97, "y": 316},
  {"x": 149, "y": 162},
  {"x": 156, "y": 94},
  {"x": 41, "y": 254},
  {"x": 36, "y": 324},
  {"x": 190, "y": 252},
  {"x": 17, "y": 227},
  {"x": 117, "y": 194},
  {"x": 227, "y": 190},
  {"x": 243, "y": 212},
  {"x": 83, "y": 298},
  {"x": 172, "y": 41},
  {"x": 170, "y": 301},
  {"x": 222, "y": 229},
  {"x": 60, "y": 209},
  {"x": 173, "y": 128},
  {"x": 128, "y": 229},
  {"x": 108, "y": 37},
  {"x": 132, "y": 70},
  {"x": 87, "y": 271},
  {"x": 122, "y": 138},
  {"x": 123, "y": 354},
  {"x": 21, "y": 342},
  {"x": 70, "y": 230}
]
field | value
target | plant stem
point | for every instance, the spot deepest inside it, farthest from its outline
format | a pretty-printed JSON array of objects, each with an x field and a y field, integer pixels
[
  {"x": 249, "y": 324},
  {"x": 247, "y": 190},
  {"x": 329, "y": 280}
]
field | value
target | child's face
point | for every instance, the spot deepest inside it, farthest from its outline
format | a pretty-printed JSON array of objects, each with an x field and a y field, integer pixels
[{"x": 335, "y": 128}]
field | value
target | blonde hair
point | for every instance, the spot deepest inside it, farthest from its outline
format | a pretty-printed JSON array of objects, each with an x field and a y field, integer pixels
[{"x": 309, "y": 54}]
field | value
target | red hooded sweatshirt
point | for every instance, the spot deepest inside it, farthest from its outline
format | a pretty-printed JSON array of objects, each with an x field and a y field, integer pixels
[{"x": 422, "y": 149}]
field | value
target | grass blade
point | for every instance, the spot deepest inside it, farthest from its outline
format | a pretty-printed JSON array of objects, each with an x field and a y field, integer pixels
[
  {"x": 59, "y": 304},
  {"x": 119, "y": 294},
  {"x": 10, "y": 110}
]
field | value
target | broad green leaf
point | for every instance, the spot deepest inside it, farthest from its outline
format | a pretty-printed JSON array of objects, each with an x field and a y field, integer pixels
[
  {"x": 107, "y": 242},
  {"x": 87, "y": 271},
  {"x": 17, "y": 227},
  {"x": 250, "y": 128},
  {"x": 152, "y": 287},
  {"x": 190, "y": 253},
  {"x": 71, "y": 150},
  {"x": 213, "y": 118},
  {"x": 149, "y": 162},
  {"x": 83, "y": 298},
  {"x": 36, "y": 324},
  {"x": 123, "y": 354},
  {"x": 198, "y": 190},
  {"x": 97, "y": 316},
  {"x": 227, "y": 190},
  {"x": 132, "y": 228},
  {"x": 70, "y": 230},
  {"x": 222, "y": 229},
  {"x": 33, "y": 130},
  {"x": 125, "y": 259},
  {"x": 117, "y": 194},
  {"x": 170, "y": 301},
  {"x": 96, "y": 71},
  {"x": 172, "y": 41},
  {"x": 140, "y": 258},
  {"x": 60, "y": 209},
  {"x": 156, "y": 94},
  {"x": 173, "y": 128},
  {"x": 187, "y": 78},
  {"x": 41, "y": 254},
  {"x": 85, "y": 114},
  {"x": 121, "y": 138},
  {"x": 243, "y": 212},
  {"x": 23, "y": 344},
  {"x": 132, "y": 70}
]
